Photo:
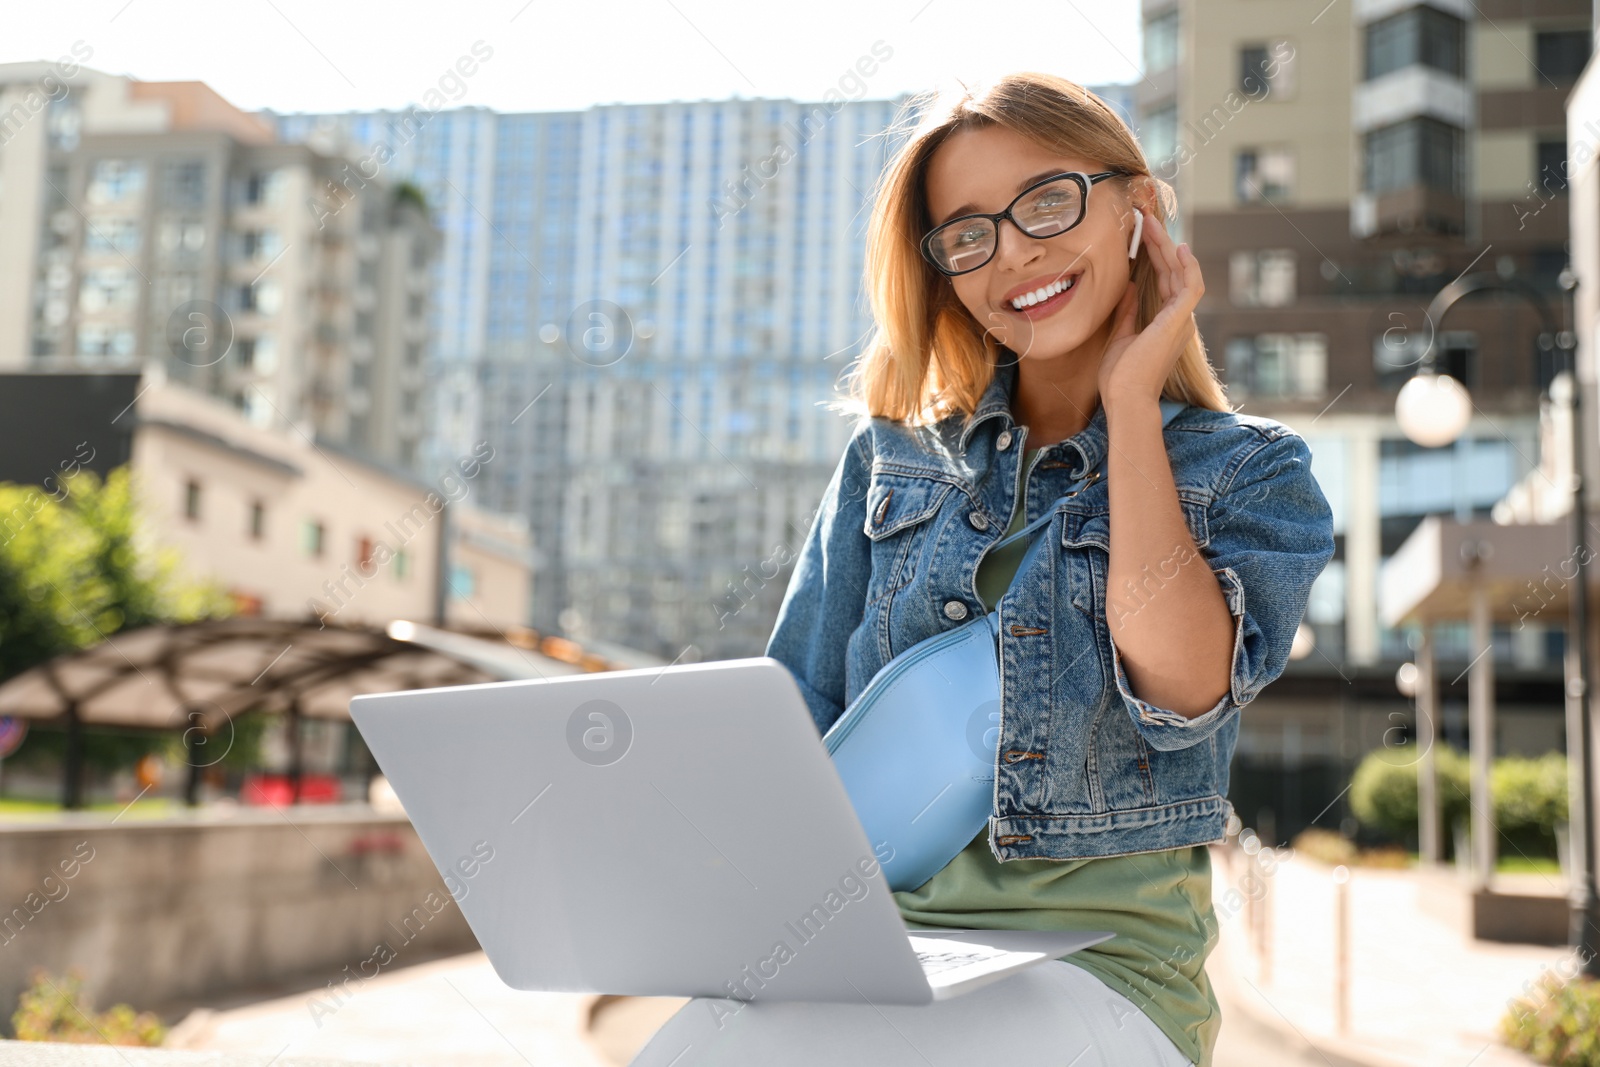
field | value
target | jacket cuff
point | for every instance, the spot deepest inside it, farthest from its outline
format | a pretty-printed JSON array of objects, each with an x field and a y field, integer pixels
[{"x": 1166, "y": 730}]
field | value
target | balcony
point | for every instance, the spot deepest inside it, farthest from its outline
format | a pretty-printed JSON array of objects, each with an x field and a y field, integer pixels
[
  {"x": 1412, "y": 92},
  {"x": 1409, "y": 212}
]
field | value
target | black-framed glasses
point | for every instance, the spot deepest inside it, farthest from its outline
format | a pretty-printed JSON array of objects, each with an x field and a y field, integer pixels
[{"x": 1046, "y": 208}]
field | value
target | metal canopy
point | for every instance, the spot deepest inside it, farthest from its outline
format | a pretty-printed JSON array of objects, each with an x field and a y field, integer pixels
[
  {"x": 1524, "y": 569},
  {"x": 179, "y": 677}
]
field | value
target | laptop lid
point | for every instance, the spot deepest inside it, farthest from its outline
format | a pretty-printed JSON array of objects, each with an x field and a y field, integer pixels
[{"x": 674, "y": 831}]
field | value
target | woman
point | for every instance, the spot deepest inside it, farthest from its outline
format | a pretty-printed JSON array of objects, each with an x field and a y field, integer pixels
[{"x": 1036, "y": 349}]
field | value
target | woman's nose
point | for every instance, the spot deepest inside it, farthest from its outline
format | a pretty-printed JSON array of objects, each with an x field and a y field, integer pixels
[{"x": 1014, "y": 246}]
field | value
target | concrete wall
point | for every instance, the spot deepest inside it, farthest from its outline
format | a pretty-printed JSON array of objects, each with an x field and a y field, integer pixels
[{"x": 158, "y": 909}]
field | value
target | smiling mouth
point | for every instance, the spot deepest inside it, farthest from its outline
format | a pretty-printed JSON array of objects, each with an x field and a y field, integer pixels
[{"x": 1045, "y": 299}]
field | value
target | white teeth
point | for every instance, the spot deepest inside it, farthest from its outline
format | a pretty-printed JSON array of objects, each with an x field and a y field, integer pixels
[{"x": 1029, "y": 299}]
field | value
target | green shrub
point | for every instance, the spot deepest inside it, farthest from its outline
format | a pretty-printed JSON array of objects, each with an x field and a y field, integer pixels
[
  {"x": 55, "y": 1010},
  {"x": 1530, "y": 798},
  {"x": 1558, "y": 1023},
  {"x": 1530, "y": 795},
  {"x": 1383, "y": 790}
]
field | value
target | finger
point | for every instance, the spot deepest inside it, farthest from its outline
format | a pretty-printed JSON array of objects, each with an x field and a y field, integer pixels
[
  {"x": 1161, "y": 243},
  {"x": 1156, "y": 239},
  {"x": 1193, "y": 280}
]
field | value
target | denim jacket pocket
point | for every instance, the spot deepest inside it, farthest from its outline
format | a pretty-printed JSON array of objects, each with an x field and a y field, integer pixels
[
  {"x": 1086, "y": 537},
  {"x": 898, "y": 507}
]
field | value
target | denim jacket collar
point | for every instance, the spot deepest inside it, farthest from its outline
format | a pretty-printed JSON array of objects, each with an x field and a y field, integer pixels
[{"x": 1091, "y": 442}]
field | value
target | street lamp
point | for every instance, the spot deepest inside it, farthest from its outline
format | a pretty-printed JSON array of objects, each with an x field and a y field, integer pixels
[{"x": 1433, "y": 410}]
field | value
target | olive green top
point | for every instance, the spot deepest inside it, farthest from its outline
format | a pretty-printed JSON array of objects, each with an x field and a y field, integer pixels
[{"x": 1157, "y": 903}]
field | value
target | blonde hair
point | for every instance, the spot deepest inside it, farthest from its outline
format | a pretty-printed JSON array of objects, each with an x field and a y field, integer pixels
[{"x": 928, "y": 358}]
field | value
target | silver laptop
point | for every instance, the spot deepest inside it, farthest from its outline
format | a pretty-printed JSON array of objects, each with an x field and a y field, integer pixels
[{"x": 667, "y": 831}]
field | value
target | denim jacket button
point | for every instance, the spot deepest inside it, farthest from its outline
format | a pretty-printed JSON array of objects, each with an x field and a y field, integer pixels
[
  {"x": 955, "y": 609},
  {"x": 979, "y": 522},
  {"x": 1003, "y": 442}
]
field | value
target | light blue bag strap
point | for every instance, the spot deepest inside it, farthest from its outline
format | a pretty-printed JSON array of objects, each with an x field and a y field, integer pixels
[{"x": 1169, "y": 410}]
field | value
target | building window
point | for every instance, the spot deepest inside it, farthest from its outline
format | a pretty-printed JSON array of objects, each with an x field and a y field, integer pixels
[
  {"x": 364, "y": 554},
  {"x": 402, "y": 565},
  {"x": 1422, "y": 36},
  {"x": 1419, "y": 151},
  {"x": 64, "y": 121},
  {"x": 463, "y": 582},
  {"x": 1266, "y": 69},
  {"x": 191, "y": 500},
  {"x": 1262, "y": 278},
  {"x": 1396, "y": 356},
  {"x": 1262, "y": 174},
  {"x": 113, "y": 180},
  {"x": 119, "y": 236},
  {"x": 312, "y": 535},
  {"x": 263, "y": 187},
  {"x": 1457, "y": 356},
  {"x": 1550, "y": 161},
  {"x": 1160, "y": 134},
  {"x": 264, "y": 353},
  {"x": 1161, "y": 42},
  {"x": 258, "y": 520},
  {"x": 259, "y": 244},
  {"x": 183, "y": 183},
  {"x": 1280, "y": 365},
  {"x": 1561, "y": 55},
  {"x": 96, "y": 339},
  {"x": 107, "y": 289},
  {"x": 263, "y": 297}
]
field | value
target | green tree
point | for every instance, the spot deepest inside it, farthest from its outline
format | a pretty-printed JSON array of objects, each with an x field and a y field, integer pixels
[{"x": 76, "y": 568}]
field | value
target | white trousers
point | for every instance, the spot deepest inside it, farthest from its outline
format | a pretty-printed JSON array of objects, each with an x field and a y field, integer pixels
[{"x": 1055, "y": 1013}]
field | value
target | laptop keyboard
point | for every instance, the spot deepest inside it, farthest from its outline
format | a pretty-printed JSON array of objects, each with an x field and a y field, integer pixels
[{"x": 935, "y": 961}]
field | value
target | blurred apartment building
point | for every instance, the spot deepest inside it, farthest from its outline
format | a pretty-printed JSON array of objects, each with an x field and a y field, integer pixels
[
  {"x": 1336, "y": 167},
  {"x": 276, "y": 305},
  {"x": 154, "y": 222},
  {"x": 642, "y": 307}
]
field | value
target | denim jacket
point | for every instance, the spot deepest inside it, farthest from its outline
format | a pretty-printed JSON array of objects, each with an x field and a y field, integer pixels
[{"x": 1083, "y": 766}]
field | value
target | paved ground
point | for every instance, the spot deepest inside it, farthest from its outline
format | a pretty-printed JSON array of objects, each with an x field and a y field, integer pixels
[
  {"x": 1421, "y": 995},
  {"x": 448, "y": 1012}
]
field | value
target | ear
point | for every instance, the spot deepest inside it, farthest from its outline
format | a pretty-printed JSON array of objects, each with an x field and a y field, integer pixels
[{"x": 1143, "y": 195}]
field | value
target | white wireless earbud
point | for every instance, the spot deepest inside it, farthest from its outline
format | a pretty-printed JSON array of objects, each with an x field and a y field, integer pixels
[{"x": 1138, "y": 232}]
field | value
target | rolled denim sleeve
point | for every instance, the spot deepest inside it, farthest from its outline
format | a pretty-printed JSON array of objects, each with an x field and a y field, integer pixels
[
  {"x": 1270, "y": 536},
  {"x": 826, "y": 597}
]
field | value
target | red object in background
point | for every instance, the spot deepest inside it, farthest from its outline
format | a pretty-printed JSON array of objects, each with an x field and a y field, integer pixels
[
  {"x": 245, "y": 603},
  {"x": 277, "y": 790}
]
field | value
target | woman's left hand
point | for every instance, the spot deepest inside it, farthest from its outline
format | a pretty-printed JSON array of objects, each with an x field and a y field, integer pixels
[{"x": 1138, "y": 362}]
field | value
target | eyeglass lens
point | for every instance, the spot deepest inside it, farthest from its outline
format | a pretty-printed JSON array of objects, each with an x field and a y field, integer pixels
[{"x": 967, "y": 244}]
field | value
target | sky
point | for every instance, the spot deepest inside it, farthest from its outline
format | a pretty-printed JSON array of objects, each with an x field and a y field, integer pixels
[{"x": 545, "y": 55}]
